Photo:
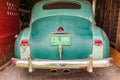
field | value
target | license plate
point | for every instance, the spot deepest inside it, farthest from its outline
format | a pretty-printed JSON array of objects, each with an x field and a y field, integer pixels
[{"x": 60, "y": 40}]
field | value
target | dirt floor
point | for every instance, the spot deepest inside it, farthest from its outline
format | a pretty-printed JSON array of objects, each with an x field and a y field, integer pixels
[{"x": 13, "y": 73}]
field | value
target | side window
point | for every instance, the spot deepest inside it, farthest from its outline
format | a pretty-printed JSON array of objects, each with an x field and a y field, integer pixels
[{"x": 62, "y": 5}]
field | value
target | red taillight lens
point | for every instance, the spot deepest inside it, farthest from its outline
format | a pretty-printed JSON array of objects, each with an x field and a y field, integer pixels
[
  {"x": 98, "y": 42},
  {"x": 60, "y": 29},
  {"x": 24, "y": 42}
]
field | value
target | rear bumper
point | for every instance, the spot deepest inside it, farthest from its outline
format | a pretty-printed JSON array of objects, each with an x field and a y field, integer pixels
[{"x": 88, "y": 64}]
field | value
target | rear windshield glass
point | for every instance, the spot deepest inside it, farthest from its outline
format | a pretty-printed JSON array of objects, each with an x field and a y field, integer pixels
[{"x": 61, "y": 5}]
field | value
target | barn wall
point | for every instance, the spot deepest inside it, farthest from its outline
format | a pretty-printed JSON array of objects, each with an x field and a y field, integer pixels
[
  {"x": 107, "y": 15},
  {"x": 9, "y": 27},
  {"x": 118, "y": 34}
]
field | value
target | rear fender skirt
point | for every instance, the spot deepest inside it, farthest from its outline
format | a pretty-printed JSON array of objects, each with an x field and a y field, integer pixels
[{"x": 97, "y": 51}]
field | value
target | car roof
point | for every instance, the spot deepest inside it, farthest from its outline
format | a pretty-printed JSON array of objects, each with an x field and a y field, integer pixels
[{"x": 85, "y": 11}]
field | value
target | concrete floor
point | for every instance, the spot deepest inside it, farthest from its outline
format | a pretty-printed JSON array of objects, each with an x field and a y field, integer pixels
[{"x": 13, "y": 73}]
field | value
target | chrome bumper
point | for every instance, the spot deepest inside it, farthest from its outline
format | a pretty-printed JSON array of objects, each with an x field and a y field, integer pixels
[{"x": 88, "y": 64}]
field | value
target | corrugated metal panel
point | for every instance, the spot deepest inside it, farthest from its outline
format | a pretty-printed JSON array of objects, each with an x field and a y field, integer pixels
[{"x": 9, "y": 27}]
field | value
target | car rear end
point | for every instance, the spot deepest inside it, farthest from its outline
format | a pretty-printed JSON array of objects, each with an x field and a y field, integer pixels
[{"x": 62, "y": 41}]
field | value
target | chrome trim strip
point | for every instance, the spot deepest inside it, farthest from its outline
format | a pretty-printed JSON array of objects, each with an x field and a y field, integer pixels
[{"x": 53, "y": 33}]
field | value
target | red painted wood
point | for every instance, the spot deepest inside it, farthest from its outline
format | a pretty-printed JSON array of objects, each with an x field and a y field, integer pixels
[{"x": 9, "y": 27}]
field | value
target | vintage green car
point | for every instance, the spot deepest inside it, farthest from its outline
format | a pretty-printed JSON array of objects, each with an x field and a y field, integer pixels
[{"x": 62, "y": 35}]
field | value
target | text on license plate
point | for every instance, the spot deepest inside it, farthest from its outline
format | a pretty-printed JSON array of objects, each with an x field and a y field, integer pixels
[{"x": 60, "y": 40}]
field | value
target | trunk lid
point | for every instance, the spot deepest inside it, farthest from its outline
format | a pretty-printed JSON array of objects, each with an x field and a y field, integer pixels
[{"x": 77, "y": 45}]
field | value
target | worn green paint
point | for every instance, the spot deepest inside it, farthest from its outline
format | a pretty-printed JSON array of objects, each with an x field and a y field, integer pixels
[
  {"x": 79, "y": 22},
  {"x": 81, "y": 37},
  {"x": 84, "y": 12}
]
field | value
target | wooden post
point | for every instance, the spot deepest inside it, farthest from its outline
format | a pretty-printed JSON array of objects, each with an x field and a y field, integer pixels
[{"x": 118, "y": 34}]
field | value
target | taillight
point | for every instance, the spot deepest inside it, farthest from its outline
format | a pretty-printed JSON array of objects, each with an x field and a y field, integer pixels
[
  {"x": 24, "y": 42},
  {"x": 98, "y": 42}
]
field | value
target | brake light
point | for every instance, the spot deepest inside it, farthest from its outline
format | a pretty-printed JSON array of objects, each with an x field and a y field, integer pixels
[
  {"x": 60, "y": 29},
  {"x": 24, "y": 42},
  {"x": 98, "y": 42}
]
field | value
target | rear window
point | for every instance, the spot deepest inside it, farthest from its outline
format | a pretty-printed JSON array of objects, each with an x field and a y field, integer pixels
[{"x": 62, "y": 5}]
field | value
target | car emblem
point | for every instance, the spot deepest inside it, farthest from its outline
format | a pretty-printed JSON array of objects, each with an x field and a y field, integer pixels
[{"x": 62, "y": 65}]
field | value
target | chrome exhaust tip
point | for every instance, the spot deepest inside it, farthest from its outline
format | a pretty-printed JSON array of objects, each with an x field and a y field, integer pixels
[
  {"x": 54, "y": 71},
  {"x": 66, "y": 71}
]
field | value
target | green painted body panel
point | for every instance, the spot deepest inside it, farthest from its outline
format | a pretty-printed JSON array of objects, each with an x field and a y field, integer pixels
[
  {"x": 81, "y": 37},
  {"x": 106, "y": 45},
  {"x": 84, "y": 12},
  {"x": 79, "y": 22}
]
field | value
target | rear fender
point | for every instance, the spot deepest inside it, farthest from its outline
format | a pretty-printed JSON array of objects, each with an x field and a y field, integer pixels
[
  {"x": 24, "y": 35},
  {"x": 97, "y": 51},
  {"x": 102, "y": 51}
]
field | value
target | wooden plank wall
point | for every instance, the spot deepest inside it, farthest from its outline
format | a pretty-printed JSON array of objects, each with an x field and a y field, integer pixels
[
  {"x": 116, "y": 56},
  {"x": 107, "y": 14},
  {"x": 118, "y": 34}
]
